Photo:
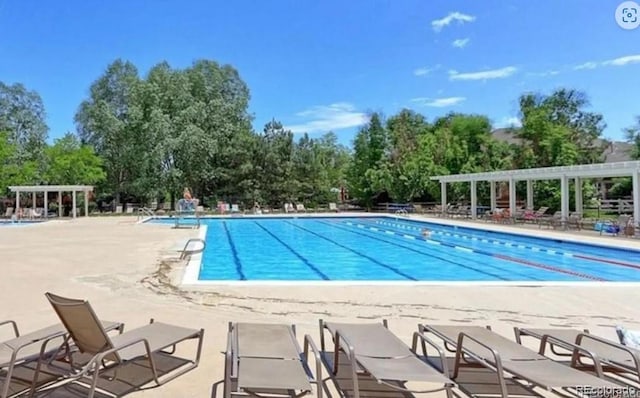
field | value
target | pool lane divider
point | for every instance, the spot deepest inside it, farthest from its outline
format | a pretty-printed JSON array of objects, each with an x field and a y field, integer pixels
[
  {"x": 518, "y": 245},
  {"x": 430, "y": 255},
  {"x": 483, "y": 240},
  {"x": 295, "y": 253},
  {"x": 500, "y": 256},
  {"x": 373, "y": 260},
  {"x": 234, "y": 252}
]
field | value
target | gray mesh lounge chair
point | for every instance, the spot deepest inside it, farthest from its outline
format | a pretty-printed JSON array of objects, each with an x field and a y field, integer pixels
[
  {"x": 476, "y": 346},
  {"x": 266, "y": 358},
  {"x": 26, "y": 348},
  {"x": 374, "y": 350},
  {"x": 106, "y": 353},
  {"x": 613, "y": 356}
]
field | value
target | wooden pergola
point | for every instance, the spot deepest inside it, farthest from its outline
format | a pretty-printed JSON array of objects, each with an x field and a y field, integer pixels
[
  {"x": 74, "y": 189},
  {"x": 562, "y": 173}
]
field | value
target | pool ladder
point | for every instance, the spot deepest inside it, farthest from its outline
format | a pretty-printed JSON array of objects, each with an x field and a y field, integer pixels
[
  {"x": 188, "y": 252},
  {"x": 401, "y": 213}
]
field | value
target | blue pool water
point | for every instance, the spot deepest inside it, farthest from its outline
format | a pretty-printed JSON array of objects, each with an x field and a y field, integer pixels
[{"x": 390, "y": 249}]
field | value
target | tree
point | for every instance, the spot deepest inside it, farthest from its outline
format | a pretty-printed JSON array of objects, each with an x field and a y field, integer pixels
[
  {"x": 22, "y": 115},
  {"x": 111, "y": 121},
  {"x": 71, "y": 163},
  {"x": 12, "y": 172},
  {"x": 632, "y": 134},
  {"x": 367, "y": 175}
]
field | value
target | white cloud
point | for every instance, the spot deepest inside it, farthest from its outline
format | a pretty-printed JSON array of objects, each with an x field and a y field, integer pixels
[
  {"x": 438, "y": 24},
  {"x": 622, "y": 61},
  {"x": 439, "y": 102},
  {"x": 425, "y": 70},
  {"x": 483, "y": 75},
  {"x": 460, "y": 43},
  {"x": 323, "y": 118},
  {"x": 545, "y": 73},
  {"x": 586, "y": 65},
  {"x": 509, "y": 122}
]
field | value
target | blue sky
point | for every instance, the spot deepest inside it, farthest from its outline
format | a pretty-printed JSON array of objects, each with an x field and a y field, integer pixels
[{"x": 322, "y": 65}]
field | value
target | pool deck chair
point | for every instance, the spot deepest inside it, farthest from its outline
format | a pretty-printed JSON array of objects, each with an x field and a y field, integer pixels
[
  {"x": 27, "y": 348},
  {"x": 373, "y": 350},
  {"x": 476, "y": 346},
  {"x": 266, "y": 359},
  {"x": 108, "y": 353},
  {"x": 613, "y": 356}
]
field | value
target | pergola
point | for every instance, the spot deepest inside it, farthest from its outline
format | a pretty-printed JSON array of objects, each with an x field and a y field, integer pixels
[
  {"x": 562, "y": 173},
  {"x": 74, "y": 189}
]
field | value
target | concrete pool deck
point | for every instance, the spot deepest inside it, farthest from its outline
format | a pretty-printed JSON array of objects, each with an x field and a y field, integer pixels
[{"x": 126, "y": 271}]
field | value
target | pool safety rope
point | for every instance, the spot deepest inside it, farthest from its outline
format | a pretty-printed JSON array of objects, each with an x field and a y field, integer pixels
[
  {"x": 482, "y": 252},
  {"x": 516, "y": 245}
]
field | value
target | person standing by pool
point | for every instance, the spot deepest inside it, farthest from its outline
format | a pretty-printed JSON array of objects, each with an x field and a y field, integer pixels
[{"x": 186, "y": 194}]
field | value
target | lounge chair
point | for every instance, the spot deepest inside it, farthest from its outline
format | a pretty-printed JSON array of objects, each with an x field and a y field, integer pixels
[
  {"x": 552, "y": 221},
  {"x": 574, "y": 221},
  {"x": 533, "y": 217},
  {"x": 107, "y": 353},
  {"x": 288, "y": 208},
  {"x": 235, "y": 208},
  {"x": 9, "y": 212},
  {"x": 613, "y": 357},
  {"x": 333, "y": 207},
  {"x": 300, "y": 208},
  {"x": 27, "y": 348},
  {"x": 478, "y": 346},
  {"x": 372, "y": 349},
  {"x": 266, "y": 358}
]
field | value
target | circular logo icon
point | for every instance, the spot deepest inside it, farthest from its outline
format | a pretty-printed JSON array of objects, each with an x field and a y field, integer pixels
[{"x": 628, "y": 15}]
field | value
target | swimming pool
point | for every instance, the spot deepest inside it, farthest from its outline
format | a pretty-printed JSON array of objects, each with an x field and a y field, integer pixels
[{"x": 390, "y": 249}]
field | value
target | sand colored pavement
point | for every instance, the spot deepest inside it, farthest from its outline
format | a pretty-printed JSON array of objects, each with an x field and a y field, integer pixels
[{"x": 128, "y": 274}]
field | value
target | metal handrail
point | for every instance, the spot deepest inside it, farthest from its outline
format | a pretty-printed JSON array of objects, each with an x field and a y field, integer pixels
[
  {"x": 185, "y": 252},
  {"x": 145, "y": 211}
]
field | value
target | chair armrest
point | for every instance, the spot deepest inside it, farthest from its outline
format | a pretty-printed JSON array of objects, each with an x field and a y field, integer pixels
[
  {"x": 497, "y": 360},
  {"x": 548, "y": 339},
  {"x": 633, "y": 353},
  {"x": 425, "y": 340},
  {"x": 14, "y": 325},
  {"x": 100, "y": 357},
  {"x": 308, "y": 342},
  {"x": 349, "y": 350}
]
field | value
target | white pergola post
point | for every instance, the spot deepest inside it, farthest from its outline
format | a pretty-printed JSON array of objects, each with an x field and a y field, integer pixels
[
  {"x": 46, "y": 204},
  {"x": 512, "y": 196},
  {"x": 33, "y": 201},
  {"x": 564, "y": 197},
  {"x": 492, "y": 188},
  {"x": 474, "y": 200},
  {"x": 443, "y": 196},
  {"x": 578, "y": 192},
  {"x": 636, "y": 197},
  {"x": 86, "y": 203},
  {"x": 17, "y": 210},
  {"x": 74, "y": 203},
  {"x": 529, "y": 194},
  {"x": 59, "y": 204}
]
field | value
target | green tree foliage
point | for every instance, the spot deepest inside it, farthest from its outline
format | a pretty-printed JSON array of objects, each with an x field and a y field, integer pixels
[
  {"x": 152, "y": 135},
  {"x": 71, "y": 163},
  {"x": 111, "y": 120}
]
